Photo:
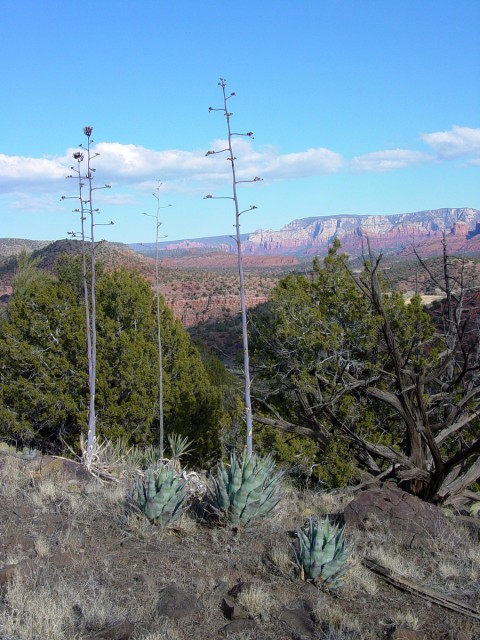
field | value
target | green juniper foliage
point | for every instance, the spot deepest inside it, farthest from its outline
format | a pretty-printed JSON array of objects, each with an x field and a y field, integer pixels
[
  {"x": 44, "y": 374},
  {"x": 380, "y": 385}
]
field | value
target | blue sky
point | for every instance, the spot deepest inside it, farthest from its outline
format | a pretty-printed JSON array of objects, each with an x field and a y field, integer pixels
[{"x": 358, "y": 107}]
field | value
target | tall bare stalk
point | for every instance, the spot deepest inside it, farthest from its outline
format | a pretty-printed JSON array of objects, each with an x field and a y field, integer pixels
[
  {"x": 229, "y": 150},
  {"x": 85, "y": 183},
  {"x": 161, "y": 436}
]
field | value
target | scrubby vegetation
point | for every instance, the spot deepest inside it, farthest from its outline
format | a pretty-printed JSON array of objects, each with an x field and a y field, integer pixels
[
  {"x": 373, "y": 380},
  {"x": 43, "y": 374}
]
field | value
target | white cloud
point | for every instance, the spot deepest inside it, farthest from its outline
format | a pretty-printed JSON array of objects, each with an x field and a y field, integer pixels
[
  {"x": 380, "y": 161},
  {"x": 133, "y": 162},
  {"x": 16, "y": 170},
  {"x": 130, "y": 165},
  {"x": 457, "y": 143},
  {"x": 312, "y": 162},
  {"x": 268, "y": 163}
]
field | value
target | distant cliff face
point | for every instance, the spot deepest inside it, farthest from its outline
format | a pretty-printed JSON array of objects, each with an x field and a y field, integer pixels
[
  {"x": 391, "y": 233},
  {"x": 307, "y": 236}
]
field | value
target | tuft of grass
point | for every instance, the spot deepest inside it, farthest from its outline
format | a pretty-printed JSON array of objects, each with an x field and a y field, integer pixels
[
  {"x": 359, "y": 580},
  {"x": 281, "y": 557},
  {"x": 16, "y": 555},
  {"x": 42, "y": 547},
  {"x": 257, "y": 601},
  {"x": 396, "y": 560},
  {"x": 186, "y": 524},
  {"x": 12, "y": 477},
  {"x": 407, "y": 619},
  {"x": 45, "y": 491},
  {"x": 34, "y": 610},
  {"x": 337, "y": 624}
]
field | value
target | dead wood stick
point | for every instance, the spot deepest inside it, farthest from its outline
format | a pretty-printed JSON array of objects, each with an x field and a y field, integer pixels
[{"x": 428, "y": 594}]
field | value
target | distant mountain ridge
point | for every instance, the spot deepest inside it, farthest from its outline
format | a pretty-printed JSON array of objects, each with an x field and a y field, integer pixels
[{"x": 307, "y": 236}]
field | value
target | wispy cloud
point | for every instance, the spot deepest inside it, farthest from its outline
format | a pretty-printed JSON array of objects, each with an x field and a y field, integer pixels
[
  {"x": 459, "y": 142},
  {"x": 381, "y": 161}
]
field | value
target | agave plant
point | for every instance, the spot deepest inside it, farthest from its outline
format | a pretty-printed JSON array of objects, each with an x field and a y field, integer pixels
[
  {"x": 161, "y": 495},
  {"x": 248, "y": 491},
  {"x": 179, "y": 447},
  {"x": 322, "y": 555}
]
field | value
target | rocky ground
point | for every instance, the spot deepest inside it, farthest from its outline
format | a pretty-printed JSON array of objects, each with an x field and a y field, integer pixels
[{"x": 77, "y": 562}]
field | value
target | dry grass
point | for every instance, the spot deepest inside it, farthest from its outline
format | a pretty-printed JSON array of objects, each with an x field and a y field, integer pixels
[
  {"x": 186, "y": 524},
  {"x": 118, "y": 562},
  {"x": 168, "y": 631},
  {"x": 43, "y": 604},
  {"x": 394, "y": 558},
  {"x": 281, "y": 556},
  {"x": 359, "y": 580},
  {"x": 13, "y": 478},
  {"x": 46, "y": 490},
  {"x": 407, "y": 619},
  {"x": 338, "y": 624},
  {"x": 34, "y": 610},
  {"x": 42, "y": 547},
  {"x": 257, "y": 601},
  {"x": 15, "y": 556},
  {"x": 296, "y": 506}
]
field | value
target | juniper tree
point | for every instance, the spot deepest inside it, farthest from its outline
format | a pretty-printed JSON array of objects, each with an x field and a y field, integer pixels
[
  {"x": 44, "y": 386},
  {"x": 243, "y": 309},
  {"x": 343, "y": 358}
]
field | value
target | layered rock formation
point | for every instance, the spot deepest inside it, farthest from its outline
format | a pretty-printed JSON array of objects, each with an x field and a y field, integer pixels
[
  {"x": 307, "y": 236},
  {"x": 390, "y": 233}
]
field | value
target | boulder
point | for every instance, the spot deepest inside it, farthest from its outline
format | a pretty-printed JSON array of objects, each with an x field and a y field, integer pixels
[
  {"x": 121, "y": 630},
  {"x": 298, "y": 621},
  {"x": 232, "y": 610},
  {"x": 176, "y": 603},
  {"x": 238, "y": 627},
  {"x": 409, "y": 520},
  {"x": 403, "y": 633}
]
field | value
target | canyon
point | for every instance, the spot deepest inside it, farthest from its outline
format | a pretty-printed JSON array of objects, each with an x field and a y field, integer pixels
[{"x": 198, "y": 277}]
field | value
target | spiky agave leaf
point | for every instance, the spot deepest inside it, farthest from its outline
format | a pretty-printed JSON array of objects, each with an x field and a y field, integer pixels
[
  {"x": 322, "y": 554},
  {"x": 161, "y": 495},
  {"x": 248, "y": 491}
]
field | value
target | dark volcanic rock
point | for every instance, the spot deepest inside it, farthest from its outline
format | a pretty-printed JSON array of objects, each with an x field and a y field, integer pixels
[
  {"x": 176, "y": 603},
  {"x": 409, "y": 520},
  {"x": 121, "y": 630}
]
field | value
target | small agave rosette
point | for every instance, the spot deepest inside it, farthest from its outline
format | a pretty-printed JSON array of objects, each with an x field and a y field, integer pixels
[
  {"x": 322, "y": 553},
  {"x": 161, "y": 495},
  {"x": 248, "y": 491}
]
